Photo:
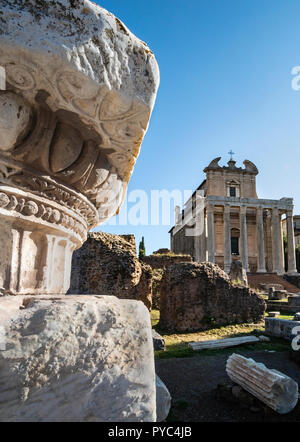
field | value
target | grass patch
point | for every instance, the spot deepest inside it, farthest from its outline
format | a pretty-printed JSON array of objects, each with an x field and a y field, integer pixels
[
  {"x": 177, "y": 343},
  {"x": 154, "y": 318}
]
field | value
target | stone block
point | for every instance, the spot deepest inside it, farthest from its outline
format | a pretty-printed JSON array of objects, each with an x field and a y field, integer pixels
[
  {"x": 273, "y": 314},
  {"x": 281, "y": 328},
  {"x": 76, "y": 359}
]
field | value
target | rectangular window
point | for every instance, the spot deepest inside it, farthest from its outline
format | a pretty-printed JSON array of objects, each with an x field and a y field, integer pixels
[
  {"x": 232, "y": 191},
  {"x": 235, "y": 246}
]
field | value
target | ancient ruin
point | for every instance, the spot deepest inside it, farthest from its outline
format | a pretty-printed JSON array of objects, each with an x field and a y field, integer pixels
[
  {"x": 197, "y": 296},
  {"x": 78, "y": 94},
  {"x": 108, "y": 265},
  {"x": 275, "y": 389}
]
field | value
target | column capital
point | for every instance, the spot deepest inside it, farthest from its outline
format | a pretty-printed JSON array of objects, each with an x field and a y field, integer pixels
[
  {"x": 227, "y": 208},
  {"x": 243, "y": 209},
  {"x": 210, "y": 207},
  {"x": 289, "y": 213}
]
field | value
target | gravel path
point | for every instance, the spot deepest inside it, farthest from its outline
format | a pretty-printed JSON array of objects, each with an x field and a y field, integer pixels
[{"x": 192, "y": 383}]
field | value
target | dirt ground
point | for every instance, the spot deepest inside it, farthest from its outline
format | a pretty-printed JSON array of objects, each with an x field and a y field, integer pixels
[{"x": 193, "y": 383}]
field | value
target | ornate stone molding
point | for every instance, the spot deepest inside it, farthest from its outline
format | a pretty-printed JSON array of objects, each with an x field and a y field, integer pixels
[{"x": 14, "y": 202}]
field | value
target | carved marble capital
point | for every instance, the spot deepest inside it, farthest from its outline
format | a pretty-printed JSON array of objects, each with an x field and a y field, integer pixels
[{"x": 79, "y": 92}]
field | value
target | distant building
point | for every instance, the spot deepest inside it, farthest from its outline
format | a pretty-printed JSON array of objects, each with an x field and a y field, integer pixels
[{"x": 237, "y": 224}]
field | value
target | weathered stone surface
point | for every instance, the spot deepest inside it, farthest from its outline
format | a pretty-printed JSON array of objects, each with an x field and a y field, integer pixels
[
  {"x": 80, "y": 88},
  {"x": 238, "y": 273},
  {"x": 223, "y": 343},
  {"x": 157, "y": 278},
  {"x": 277, "y": 295},
  {"x": 264, "y": 338},
  {"x": 158, "y": 341},
  {"x": 275, "y": 389},
  {"x": 297, "y": 317},
  {"x": 274, "y": 314},
  {"x": 107, "y": 265},
  {"x": 163, "y": 400},
  {"x": 88, "y": 64},
  {"x": 197, "y": 296},
  {"x": 76, "y": 358},
  {"x": 281, "y": 328},
  {"x": 161, "y": 261}
]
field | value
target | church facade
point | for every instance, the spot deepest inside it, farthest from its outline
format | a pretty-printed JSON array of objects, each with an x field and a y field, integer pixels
[{"x": 237, "y": 225}]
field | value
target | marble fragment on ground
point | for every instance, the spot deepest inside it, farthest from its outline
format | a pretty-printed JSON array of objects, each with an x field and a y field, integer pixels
[
  {"x": 223, "y": 343},
  {"x": 272, "y": 387}
]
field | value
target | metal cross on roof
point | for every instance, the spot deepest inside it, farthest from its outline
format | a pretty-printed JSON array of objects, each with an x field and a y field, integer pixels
[{"x": 231, "y": 153}]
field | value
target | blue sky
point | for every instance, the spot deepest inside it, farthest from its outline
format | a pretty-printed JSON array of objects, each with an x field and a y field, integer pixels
[{"x": 225, "y": 84}]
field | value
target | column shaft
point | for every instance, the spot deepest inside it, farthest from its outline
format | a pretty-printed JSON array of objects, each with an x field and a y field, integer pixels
[
  {"x": 261, "y": 263},
  {"x": 244, "y": 238},
  {"x": 277, "y": 263},
  {"x": 291, "y": 244},
  {"x": 227, "y": 240},
  {"x": 211, "y": 233}
]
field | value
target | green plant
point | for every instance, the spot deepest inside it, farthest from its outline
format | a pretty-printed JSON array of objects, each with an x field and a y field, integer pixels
[{"x": 142, "y": 249}]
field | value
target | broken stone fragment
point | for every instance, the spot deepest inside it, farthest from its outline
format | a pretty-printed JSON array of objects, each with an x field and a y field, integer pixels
[
  {"x": 163, "y": 400},
  {"x": 159, "y": 343},
  {"x": 223, "y": 343},
  {"x": 275, "y": 389}
]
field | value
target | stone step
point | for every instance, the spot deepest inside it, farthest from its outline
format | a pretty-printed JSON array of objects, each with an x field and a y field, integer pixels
[{"x": 255, "y": 279}]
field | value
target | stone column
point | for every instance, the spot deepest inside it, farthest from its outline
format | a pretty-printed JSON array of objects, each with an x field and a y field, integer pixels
[
  {"x": 177, "y": 215},
  {"x": 261, "y": 262},
  {"x": 210, "y": 233},
  {"x": 292, "y": 269},
  {"x": 200, "y": 237},
  {"x": 70, "y": 134},
  {"x": 276, "y": 249},
  {"x": 227, "y": 239},
  {"x": 281, "y": 243},
  {"x": 243, "y": 237}
]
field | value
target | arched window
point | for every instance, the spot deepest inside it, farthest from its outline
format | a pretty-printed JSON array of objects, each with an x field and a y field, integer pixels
[{"x": 235, "y": 237}]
